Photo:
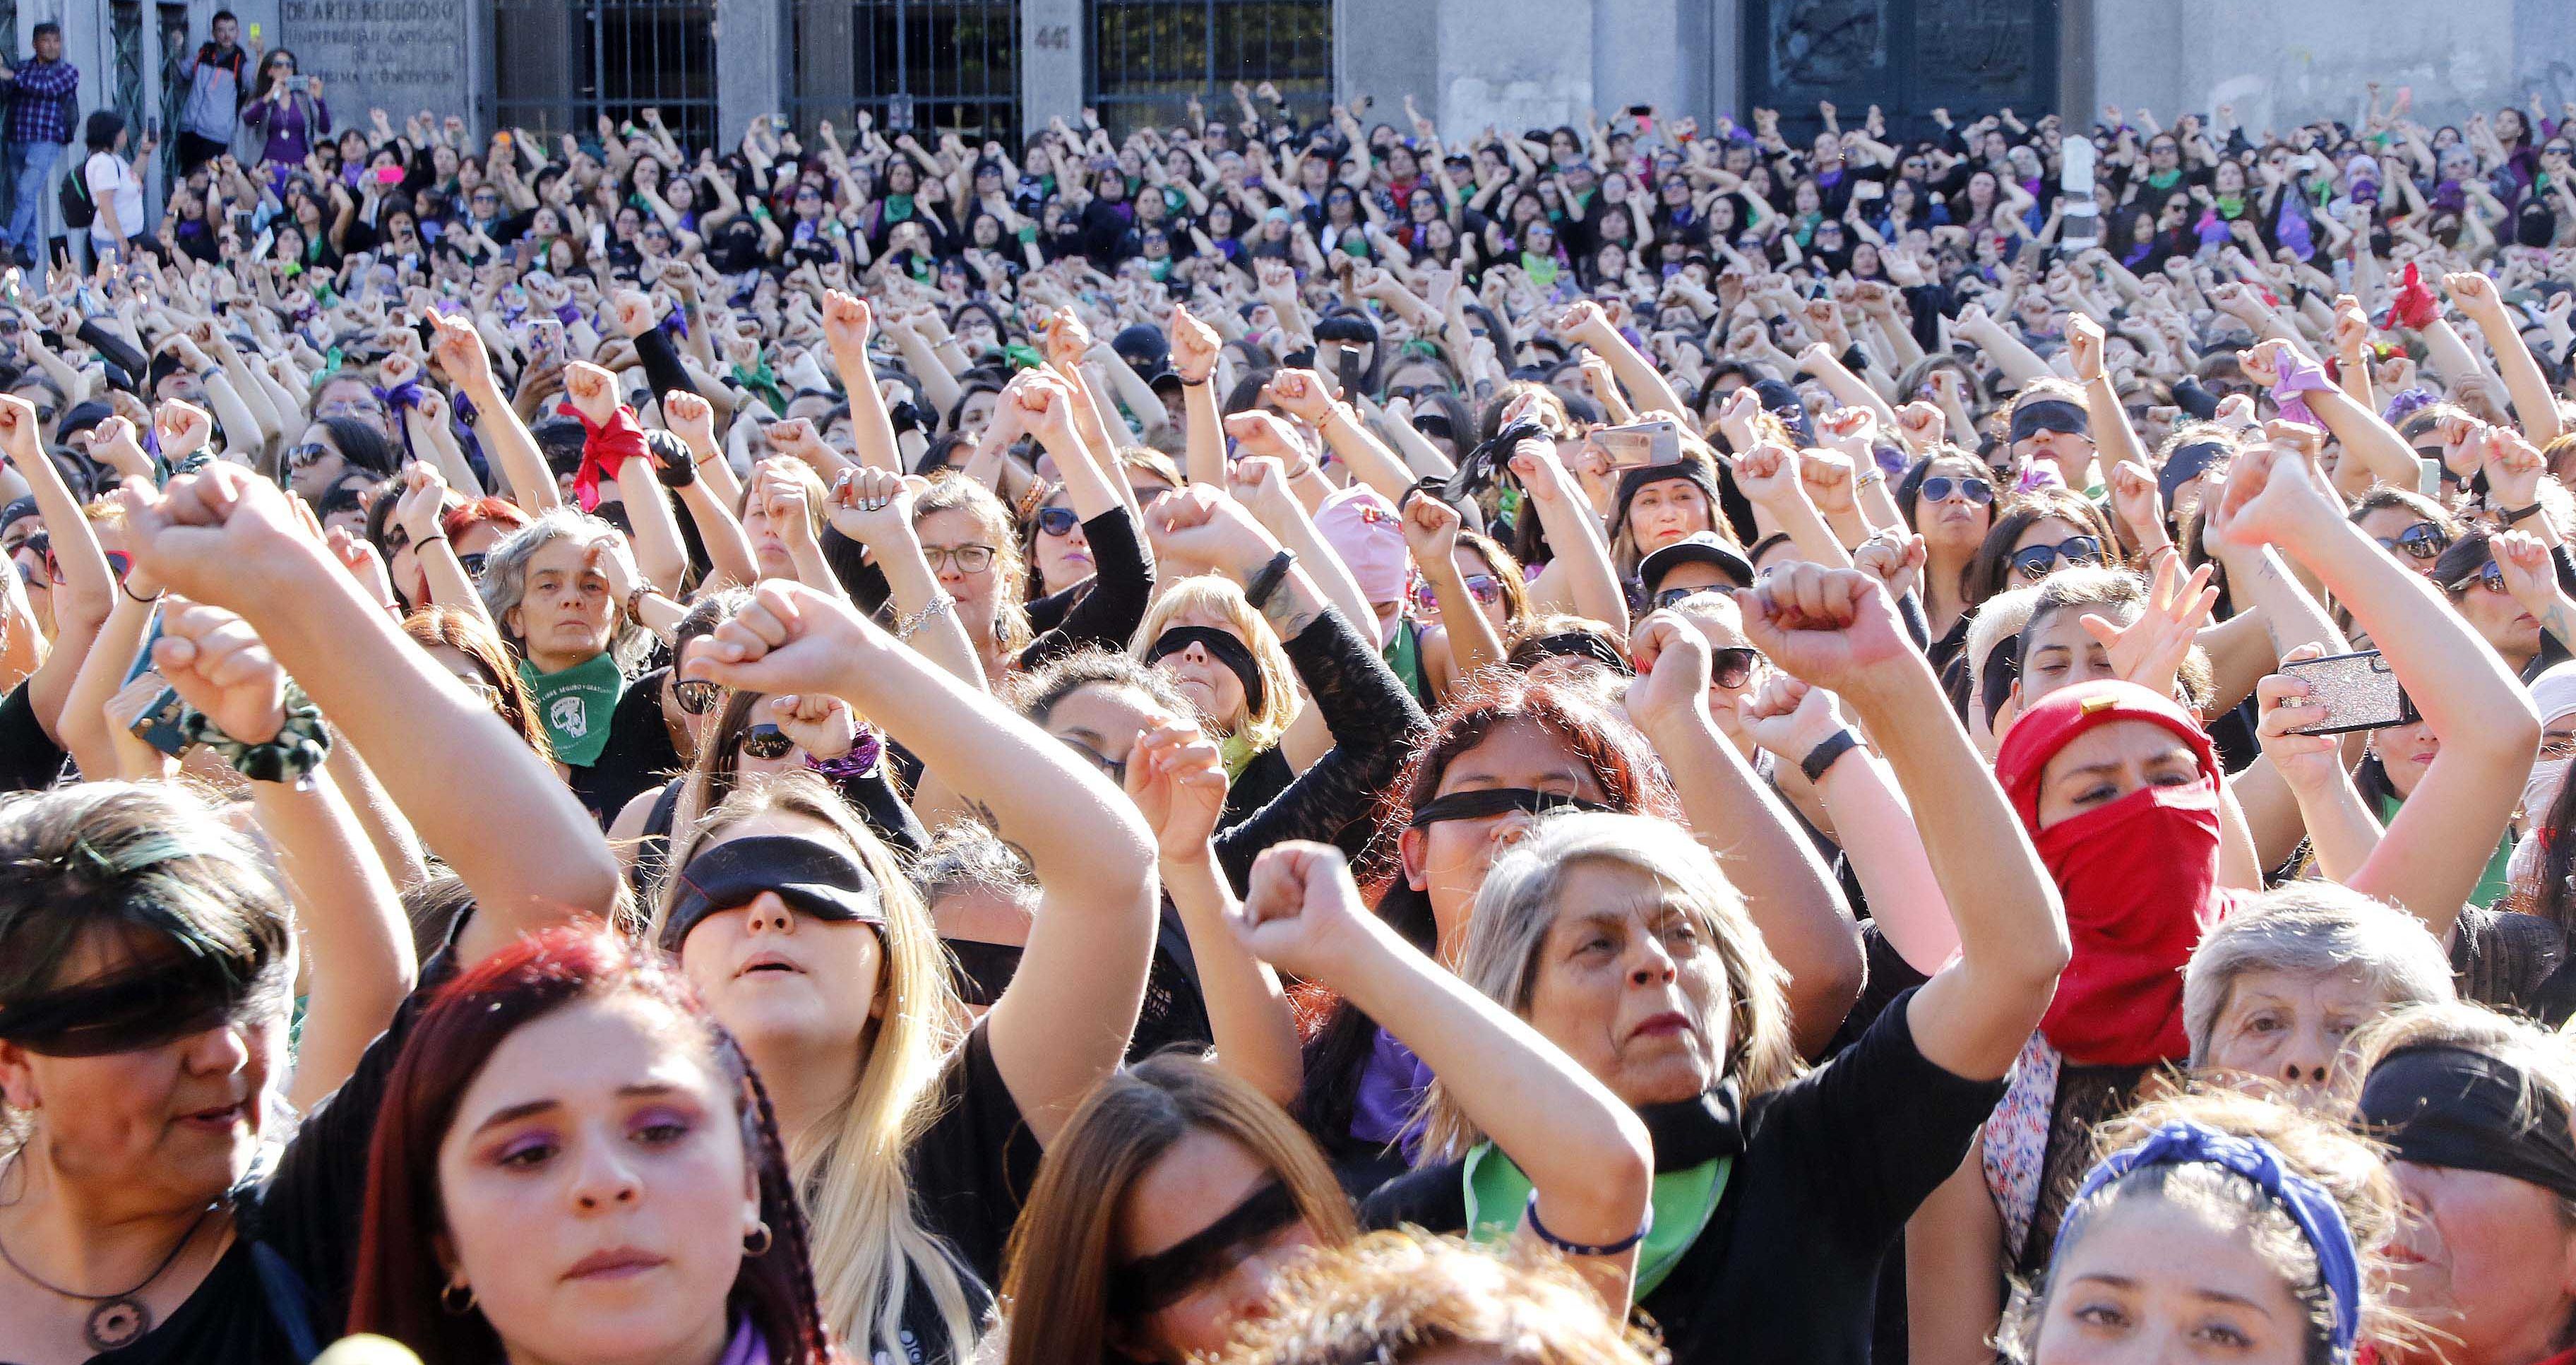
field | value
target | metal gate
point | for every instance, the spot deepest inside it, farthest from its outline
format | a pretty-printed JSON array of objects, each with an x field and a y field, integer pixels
[
  {"x": 1148, "y": 57},
  {"x": 175, "y": 51},
  {"x": 1908, "y": 57},
  {"x": 920, "y": 66},
  {"x": 562, "y": 64},
  {"x": 125, "y": 82}
]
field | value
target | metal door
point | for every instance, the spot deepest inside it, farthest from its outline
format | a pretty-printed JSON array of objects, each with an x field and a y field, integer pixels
[
  {"x": 561, "y": 65},
  {"x": 1908, "y": 57},
  {"x": 925, "y": 67},
  {"x": 1148, "y": 57}
]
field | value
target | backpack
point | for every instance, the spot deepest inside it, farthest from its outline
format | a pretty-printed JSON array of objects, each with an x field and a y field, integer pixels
[{"x": 72, "y": 197}]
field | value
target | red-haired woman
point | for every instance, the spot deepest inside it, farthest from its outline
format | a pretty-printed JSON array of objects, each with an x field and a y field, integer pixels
[{"x": 574, "y": 1163}]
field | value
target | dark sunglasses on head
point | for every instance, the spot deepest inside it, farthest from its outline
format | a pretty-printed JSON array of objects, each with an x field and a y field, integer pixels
[
  {"x": 2423, "y": 540},
  {"x": 2035, "y": 562},
  {"x": 1939, "y": 487},
  {"x": 766, "y": 741},
  {"x": 696, "y": 696},
  {"x": 1410, "y": 392},
  {"x": 1057, "y": 521},
  {"x": 2489, "y": 576}
]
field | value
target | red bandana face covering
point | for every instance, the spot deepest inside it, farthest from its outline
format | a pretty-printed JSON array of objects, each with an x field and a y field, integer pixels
[{"x": 2139, "y": 878}]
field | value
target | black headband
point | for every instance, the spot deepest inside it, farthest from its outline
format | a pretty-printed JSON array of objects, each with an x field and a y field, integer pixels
[
  {"x": 2438, "y": 1105},
  {"x": 1221, "y": 646},
  {"x": 1491, "y": 801},
  {"x": 2051, "y": 414},
  {"x": 1164, "y": 1278},
  {"x": 813, "y": 877},
  {"x": 1580, "y": 644},
  {"x": 144, "y": 1007}
]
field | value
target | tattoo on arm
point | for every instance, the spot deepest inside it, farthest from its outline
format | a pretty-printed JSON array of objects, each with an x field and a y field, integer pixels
[{"x": 984, "y": 813}]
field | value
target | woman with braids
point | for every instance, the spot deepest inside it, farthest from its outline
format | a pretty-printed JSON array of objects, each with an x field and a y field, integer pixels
[{"x": 574, "y": 1163}]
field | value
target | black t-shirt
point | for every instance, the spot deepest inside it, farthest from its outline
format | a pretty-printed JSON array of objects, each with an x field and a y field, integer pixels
[
  {"x": 1833, "y": 1165},
  {"x": 29, "y": 758},
  {"x": 638, "y": 756},
  {"x": 971, "y": 1172}
]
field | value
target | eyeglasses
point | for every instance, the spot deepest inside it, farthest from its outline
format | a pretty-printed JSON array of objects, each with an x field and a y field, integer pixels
[
  {"x": 2423, "y": 540},
  {"x": 2558, "y": 746},
  {"x": 1055, "y": 521},
  {"x": 1116, "y": 768},
  {"x": 766, "y": 741},
  {"x": 473, "y": 564},
  {"x": 696, "y": 696},
  {"x": 1939, "y": 487},
  {"x": 1732, "y": 668},
  {"x": 2489, "y": 576},
  {"x": 967, "y": 558},
  {"x": 2036, "y": 562},
  {"x": 353, "y": 407}
]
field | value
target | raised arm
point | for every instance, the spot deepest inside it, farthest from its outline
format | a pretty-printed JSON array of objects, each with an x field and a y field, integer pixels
[
  {"x": 874, "y": 508},
  {"x": 1739, "y": 817},
  {"x": 1836, "y": 629},
  {"x": 2438, "y": 846},
  {"x": 460, "y": 351},
  {"x": 1586, "y": 1153},
  {"x": 350, "y": 917},
  {"x": 1065, "y": 1020},
  {"x": 2534, "y": 406},
  {"x": 480, "y": 798}
]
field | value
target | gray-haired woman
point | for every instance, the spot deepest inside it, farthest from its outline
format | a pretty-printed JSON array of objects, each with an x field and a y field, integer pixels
[
  {"x": 565, "y": 593},
  {"x": 2276, "y": 989},
  {"x": 1777, "y": 1194}
]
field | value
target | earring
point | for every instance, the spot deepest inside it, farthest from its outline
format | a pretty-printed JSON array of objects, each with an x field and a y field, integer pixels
[
  {"x": 755, "y": 1243},
  {"x": 455, "y": 1307}
]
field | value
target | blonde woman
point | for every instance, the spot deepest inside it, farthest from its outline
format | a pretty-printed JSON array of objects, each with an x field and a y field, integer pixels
[{"x": 909, "y": 1134}]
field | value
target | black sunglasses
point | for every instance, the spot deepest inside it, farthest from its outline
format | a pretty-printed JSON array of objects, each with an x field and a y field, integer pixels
[
  {"x": 1938, "y": 488},
  {"x": 1671, "y": 597},
  {"x": 766, "y": 741},
  {"x": 2423, "y": 540},
  {"x": 696, "y": 696},
  {"x": 1057, "y": 521},
  {"x": 1732, "y": 668},
  {"x": 2035, "y": 562},
  {"x": 2489, "y": 576},
  {"x": 473, "y": 564}
]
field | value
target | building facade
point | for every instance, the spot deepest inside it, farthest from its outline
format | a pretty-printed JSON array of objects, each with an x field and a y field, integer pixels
[{"x": 995, "y": 69}]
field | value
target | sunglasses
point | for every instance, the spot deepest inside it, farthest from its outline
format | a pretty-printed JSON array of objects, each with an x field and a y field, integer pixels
[
  {"x": 2423, "y": 540},
  {"x": 696, "y": 696},
  {"x": 766, "y": 741},
  {"x": 1673, "y": 597},
  {"x": 2036, "y": 562},
  {"x": 2489, "y": 576},
  {"x": 1054, "y": 521},
  {"x": 1410, "y": 392},
  {"x": 1483, "y": 587},
  {"x": 473, "y": 564},
  {"x": 1939, "y": 487},
  {"x": 308, "y": 455},
  {"x": 1732, "y": 668}
]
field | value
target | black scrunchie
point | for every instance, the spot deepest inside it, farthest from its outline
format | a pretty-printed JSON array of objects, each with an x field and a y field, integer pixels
[{"x": 1225, "y": 649}]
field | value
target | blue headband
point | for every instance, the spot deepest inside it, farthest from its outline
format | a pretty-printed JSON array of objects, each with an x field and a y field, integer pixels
[{"x": 2318, "y": 1218}]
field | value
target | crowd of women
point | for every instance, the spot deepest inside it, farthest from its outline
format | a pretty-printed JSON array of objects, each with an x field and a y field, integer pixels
[{"x": 1279, "y": 741}]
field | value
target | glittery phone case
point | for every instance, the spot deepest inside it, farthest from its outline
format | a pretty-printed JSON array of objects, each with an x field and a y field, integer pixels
[{"x": 2357, "y": 691}]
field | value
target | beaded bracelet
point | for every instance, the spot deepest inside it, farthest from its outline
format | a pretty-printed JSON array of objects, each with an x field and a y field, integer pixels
[{"x": 299, "y": 748}]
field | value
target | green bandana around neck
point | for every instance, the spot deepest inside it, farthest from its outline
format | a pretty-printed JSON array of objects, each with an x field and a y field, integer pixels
[
  {"x": 576, "y": 705},
  {"x": 1684, "y": 1200}
]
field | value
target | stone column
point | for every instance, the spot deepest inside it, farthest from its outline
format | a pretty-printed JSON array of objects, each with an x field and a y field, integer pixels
[
  {"x": 1054, "y": 34},
  {"x": 1389, "y": 49},
  {"x": 1516, "y": 64},
  {"x": 751, "y": 63}
]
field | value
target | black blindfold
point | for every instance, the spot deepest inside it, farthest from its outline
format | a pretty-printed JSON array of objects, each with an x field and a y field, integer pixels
[
  {"x": 813, "y": 877},
  {"x": 1222, "y": 647}
]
